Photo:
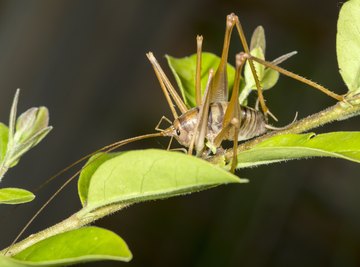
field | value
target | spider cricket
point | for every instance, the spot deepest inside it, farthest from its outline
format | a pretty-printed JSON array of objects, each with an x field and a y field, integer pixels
[{"x": 215, "y": 118}]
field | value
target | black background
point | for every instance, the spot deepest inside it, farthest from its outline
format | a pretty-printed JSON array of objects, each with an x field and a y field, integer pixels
[{"x": 85, "y": 61}]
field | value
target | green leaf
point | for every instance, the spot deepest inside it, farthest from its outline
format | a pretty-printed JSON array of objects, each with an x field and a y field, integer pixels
[
  {"x": 345, "y": 145},
  {"x": 4, "y": 134},
  {"x": 258, "y": 39},
  {"x": 81, "y": 245},
  {"x": 269, "y": 79},
  {"x": 348, "y": 44},
  {"x": 137, "y": 176},
  {"x": 30, "y": 123},
  {"x": 184, "y": 70},
  {"x": 85, "y": 176},
  {"x": 15, "y": 196},
  {"x": 12, "y": 117},
  {"x": 25, "y": 132},
  {"x": 19, "y": 149},
  {"x": 9, "y": 262}
]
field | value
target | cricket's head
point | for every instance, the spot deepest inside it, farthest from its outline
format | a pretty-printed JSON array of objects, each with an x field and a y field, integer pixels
[{"x": 183, "y": 127}]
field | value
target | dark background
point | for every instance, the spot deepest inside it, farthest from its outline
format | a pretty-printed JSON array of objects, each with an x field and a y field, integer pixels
[{"x": 85, "y": 61}]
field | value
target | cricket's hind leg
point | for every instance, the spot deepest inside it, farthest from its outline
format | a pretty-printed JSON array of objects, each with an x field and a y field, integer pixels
[
  {"x": 232, "y": 116},
  {"x": 296, "y": 77},
  {"x": 245, "y": 45}
]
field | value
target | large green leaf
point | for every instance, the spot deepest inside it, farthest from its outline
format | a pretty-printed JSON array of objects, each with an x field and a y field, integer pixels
[
  {"x": 15, "y": 196},
  {"x": 4, "y": 134},
  {"x": 136, "y": 176},
  {"x": 81, "y": 245},
  {"x": 184, "y": 70},
  {"x": 9, "y": 262},
  {"x": 348, "y": 44},
  {"x": 85, "y": 176},
  {"x": 345, "y": 145}
]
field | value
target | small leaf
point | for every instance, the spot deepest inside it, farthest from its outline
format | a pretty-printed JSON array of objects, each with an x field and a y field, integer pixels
[
  {"x": 136, "y": 176},
  {"x": 12, "y": 117},
  {"x": 248, "y": 76},
  {"x": 90, "y": 167},
  {"x": 269, "y": 79},
  {"x": 15, "y": 196},
  {"x": 184, "y": 70},
  {"x": 30, "y": 123},
  {"x": 25, "y": 132},
  {"x": 258, "y": 39},
  {"x": 24, "y": 124},
  {"x": 82, "y": 245},
  {"x": 345, "y": 145},
  {"x": 21, "y": 148},
  {"x": 4, "y": 134},
  {"x": 348, "y": 44}
]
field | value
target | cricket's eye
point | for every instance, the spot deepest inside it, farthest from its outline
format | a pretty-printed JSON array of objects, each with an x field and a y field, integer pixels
[{"x": 178, "y": 131}]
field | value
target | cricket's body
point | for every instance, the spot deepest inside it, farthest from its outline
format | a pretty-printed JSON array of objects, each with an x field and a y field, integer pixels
[
  {"x": 218, "y": 117},
  {"x": 252, "y": 124}
]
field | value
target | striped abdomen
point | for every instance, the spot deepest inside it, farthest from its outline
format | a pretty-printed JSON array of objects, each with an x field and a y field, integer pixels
[{"x": 252, "y": 123}]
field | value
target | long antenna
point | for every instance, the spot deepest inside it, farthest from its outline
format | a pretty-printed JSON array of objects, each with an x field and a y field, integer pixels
[{"x": 107, "y": 149}]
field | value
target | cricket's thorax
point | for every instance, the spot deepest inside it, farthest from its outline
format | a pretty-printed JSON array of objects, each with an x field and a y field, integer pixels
[{"x": 252, "y": 123}]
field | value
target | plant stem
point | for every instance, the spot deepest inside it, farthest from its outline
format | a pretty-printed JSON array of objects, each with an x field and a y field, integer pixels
[
  {"x": 340, "y": 111},
  {"x": 75, "y": 221}
]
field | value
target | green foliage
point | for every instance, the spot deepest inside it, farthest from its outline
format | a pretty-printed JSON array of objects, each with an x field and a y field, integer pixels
[
  {"x": 345, "y": 145},
  {"x": 119, "y": 179},
  {"x": 87, "y": 172},
  {"x": 184, "y": 70},
  {"x": 9, "y": 262},
  {"x": 4, "y": 134},
  {"x": 81, "y": 245},
  {"x": 267, "y": 77},
  {"x": 31, "y": 128},
  {"x": 135, "y": 176},
  {"x": 15, "y": 196},
  {"x": 22, "y": 134},
  {"x": 258, "y": 39},
  {"x": 348, "y": 44}
]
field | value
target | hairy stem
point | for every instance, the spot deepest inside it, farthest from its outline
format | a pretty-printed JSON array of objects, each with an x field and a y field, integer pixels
[
  {"x": 75, "y": 221},
  {"x": 340, "y": 111}
]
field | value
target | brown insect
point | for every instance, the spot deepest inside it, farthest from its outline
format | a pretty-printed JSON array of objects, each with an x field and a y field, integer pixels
[{"x": 214, "y": 119}]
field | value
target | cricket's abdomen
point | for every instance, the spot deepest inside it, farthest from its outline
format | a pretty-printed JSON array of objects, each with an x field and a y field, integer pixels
[{"x": 252, "y": 122}]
